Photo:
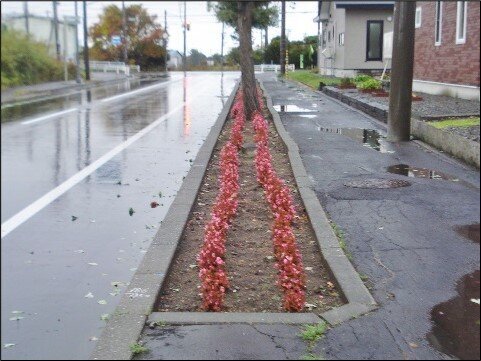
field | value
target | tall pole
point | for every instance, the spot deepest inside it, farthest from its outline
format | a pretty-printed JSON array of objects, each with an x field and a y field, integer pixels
[
  {"x": 400, "y": 94},
  {"x": 55, "y": 26},
  {"x": 124, "y": 32},
  {"x": 25, "y": 12},
  {"x": 77, "y": 60},
  {"x": 222, "y": 50},
  {"x": 65, "y": 68},
  {"x": 185, "y": 36},
  {"x": 165, "y": 39},
  {"x": 266, "y": 37},
  {"x": 86, "y": 45},
  {"x": 283, "y": 39}
]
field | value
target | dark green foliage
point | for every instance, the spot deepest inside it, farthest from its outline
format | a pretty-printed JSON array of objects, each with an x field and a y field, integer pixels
[{"x": 26, "y": 62}]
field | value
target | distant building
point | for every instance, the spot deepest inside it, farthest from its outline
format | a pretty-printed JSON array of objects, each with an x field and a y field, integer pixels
[
  {"x": 42, "y": 29},
  {"x": 210, "y": 62},
  {"x": 352, "y": 35},
  {"x": 446, "y": 56},
  {"x": 174, "y": 60}
]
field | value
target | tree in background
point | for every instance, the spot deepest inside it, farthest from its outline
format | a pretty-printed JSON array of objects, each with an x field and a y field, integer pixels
[
  {"x": 295, "y": 49},
  {"x": 144, "y": 36},
  {"x": 272, "y": 53},
  {"x": 242, "y": 16},
  {"x": 196, "y": 58},
  {"x": 233, "y": 57}
]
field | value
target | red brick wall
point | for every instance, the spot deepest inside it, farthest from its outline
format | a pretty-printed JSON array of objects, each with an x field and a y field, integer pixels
[{"x": 448, "y": 62}]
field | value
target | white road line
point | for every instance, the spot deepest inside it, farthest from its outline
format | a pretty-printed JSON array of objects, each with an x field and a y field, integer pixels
[
  {"x": 138, "y": 91},
  {"x": 49, "y": 116},
  {"x": 42, "y": 202}
]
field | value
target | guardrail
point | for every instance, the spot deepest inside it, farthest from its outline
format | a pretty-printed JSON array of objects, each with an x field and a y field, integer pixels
[
  {"x": 113, "y": 66},
  {"x": 272, "y": 67}
]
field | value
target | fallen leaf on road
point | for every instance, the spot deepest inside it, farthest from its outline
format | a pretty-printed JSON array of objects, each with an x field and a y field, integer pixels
[
  {"x": 8, "y": 345},
  {"x": 16, "y": 318},
  {"x": 74, "y": 218},
  {"x": 310, "y": 306},
  {"x": 102, "y": 302},
  {"x": 475, "y": 300},
  {"x": 79, "y": 251},
  {"x": 104, "y": 317},
  {"x": 17, "y": 312},
  {"x": 131, "y": 211},
  {"x": 330, "y": 284},
  {"x": 89, "y": 295},
  {"x": 413, "y": 345},
  {"x": 93, "y": 264},
  {"x": 153, "y": 204},
  {"x": 93, "y": 338}
]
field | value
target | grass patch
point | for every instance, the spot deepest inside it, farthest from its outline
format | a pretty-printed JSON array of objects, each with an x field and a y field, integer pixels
[
  {"x": 342, "y": 241},
  {"x": 448, "y": 123},
  {"x": 312, "y": 333},
  {"x": 137, "y": 348},
  {"x": 311, "y": 79},
  {"x": 312, "y": 356}
]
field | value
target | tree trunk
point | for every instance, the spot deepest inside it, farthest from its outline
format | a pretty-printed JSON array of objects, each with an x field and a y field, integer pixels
[{"x": 244, "y": 25}]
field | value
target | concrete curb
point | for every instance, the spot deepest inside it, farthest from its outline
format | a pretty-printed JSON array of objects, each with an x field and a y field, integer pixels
[
  {"x": 128, "y": 320},
  {"x": 206, "y": 318},
  {"x": 456, "y": 145},
  {"x": 358, "y": 297}
]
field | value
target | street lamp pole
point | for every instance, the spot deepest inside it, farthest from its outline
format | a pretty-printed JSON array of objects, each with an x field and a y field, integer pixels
[
  {"x": 283, "y": 39},
  {"x": 185, "y": 36}
]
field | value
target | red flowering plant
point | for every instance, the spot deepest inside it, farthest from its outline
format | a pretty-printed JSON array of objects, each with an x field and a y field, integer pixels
[
  {"x": 211, "y": 263},
  {"x": 288, "y": 259}
]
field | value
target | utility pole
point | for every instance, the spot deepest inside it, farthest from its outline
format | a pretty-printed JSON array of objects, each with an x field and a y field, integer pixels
[
  {"x": 77, "y": 60},
  {"x": 283, "y": 39},
  {"x": 124, "y": 32},
  {"x": 185, "y": 36},
  {"x": 86, "y": 45},
  {"x": 55, "y": 26},
  {"x": 25, "y": 12},
  {"x": 165, "y": 39},
  {"x": 400, "y": 94},
  {"x": 65, "y": 68},
  {"x": 266, "y": 37},
  {"x": 222, "y": 50}
]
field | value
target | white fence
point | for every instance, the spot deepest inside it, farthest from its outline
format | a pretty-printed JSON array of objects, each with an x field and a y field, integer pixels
[
  {"x": 272, "y": 67},
  {"x": 113, "y": 66}
]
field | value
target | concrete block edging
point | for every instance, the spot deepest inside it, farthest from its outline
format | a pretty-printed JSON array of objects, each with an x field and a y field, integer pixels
[
  {"x": 126, "y": 323},
  {"x": 359, "y": 300}
]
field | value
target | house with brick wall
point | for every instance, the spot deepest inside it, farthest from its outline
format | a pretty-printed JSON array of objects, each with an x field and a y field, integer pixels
[{"x": 446, "y": 55}]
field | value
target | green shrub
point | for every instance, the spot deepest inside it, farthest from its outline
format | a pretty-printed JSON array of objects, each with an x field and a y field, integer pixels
[
  {"x": 362, "y": 78},
  {"x": 369, "y": 84},
  {"x": 346, "y": 81},
  {"x": 25, "y": 61}
]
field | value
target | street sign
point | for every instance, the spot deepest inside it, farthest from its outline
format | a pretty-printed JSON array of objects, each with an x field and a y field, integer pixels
[{"x": 116, "y": 40}]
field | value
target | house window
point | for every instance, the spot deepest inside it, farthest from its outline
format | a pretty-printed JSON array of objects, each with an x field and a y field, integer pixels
[
  {"x": 374, "y": 40},
  {"x": 461, "y": 22},
  {"x": 417, "y": 20},
  {"x": 438, "y": 23},
  {"x": 341, "y": 39}
]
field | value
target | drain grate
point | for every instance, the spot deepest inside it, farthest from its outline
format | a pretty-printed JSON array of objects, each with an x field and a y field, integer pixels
[{"x": 377, "y": 183}]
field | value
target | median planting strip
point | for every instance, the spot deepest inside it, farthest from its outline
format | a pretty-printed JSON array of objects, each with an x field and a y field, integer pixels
[{"x": 259, "y": 259}]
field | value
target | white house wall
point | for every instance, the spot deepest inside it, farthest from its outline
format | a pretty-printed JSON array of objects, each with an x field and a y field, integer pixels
[{"x": 355, "y": 37}]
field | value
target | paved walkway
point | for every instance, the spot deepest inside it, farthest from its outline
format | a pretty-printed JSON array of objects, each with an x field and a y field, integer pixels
[{"x": 403, "y": 241}]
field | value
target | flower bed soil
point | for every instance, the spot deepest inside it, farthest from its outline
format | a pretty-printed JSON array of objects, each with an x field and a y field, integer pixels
[{"x": 249, "y": 256}]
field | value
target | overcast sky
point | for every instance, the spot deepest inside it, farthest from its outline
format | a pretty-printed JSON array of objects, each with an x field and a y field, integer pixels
[{"x": 205, "y": 31}]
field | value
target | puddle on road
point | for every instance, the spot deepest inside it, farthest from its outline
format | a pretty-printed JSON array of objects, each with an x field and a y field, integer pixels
[
  {"x": 292, "y": 108},
  {"x": 455, "y": 329},
  {"x": 367, "y": 137},
  {"x": 415, "y": 172},
  {"x": 469, "y": 231}
]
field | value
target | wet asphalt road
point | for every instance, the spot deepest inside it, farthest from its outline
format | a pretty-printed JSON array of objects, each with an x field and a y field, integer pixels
[{"x": 66, "y": 260}]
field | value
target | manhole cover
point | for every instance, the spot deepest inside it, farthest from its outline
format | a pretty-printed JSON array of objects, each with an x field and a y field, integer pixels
[{"x": 377, "y": 183}]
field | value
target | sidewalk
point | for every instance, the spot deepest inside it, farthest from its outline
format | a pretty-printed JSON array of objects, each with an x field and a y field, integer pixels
[
  {"x": 403, "y": 241},
  {"x": 37, "y": 91}
]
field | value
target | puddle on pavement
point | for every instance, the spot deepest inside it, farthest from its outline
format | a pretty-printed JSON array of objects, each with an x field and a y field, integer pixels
[
  {"x": 367, "y": 137},
  {"x": 455, "y": 329},
  {"x": 469, "y": 231},
  {"x": 416, "y": 172},
  {"x": 292, "y": 108}
]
